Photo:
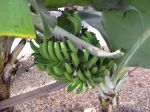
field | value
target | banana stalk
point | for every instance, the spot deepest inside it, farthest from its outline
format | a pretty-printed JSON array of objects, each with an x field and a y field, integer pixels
[
  {"x": 59, "y": 32},
  {"x": 109, "y": 90}
]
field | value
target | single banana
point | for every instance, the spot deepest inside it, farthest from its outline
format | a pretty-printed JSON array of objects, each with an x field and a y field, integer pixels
[
  {"x": 69, "y": 68},
  {"x": 58, "y": 71},
  {"x": 89, "y": 36},
  {"x": 91, "y": 62},
  {"x": 97, "y": 79},
  {"x": 64, "y": 50},
  {"x": 81, "y": 75},
  {"x": 71, "y": 46},
  {"x": 40, "y": 59},
  {"x": 80, "y": 88},
  {"x": 85, "y": 55},
  {"x": 41, "y": 52},
  {"x": 51, "y": 50},
  {"x": 49, "y": 70},
  {"x": 94, "y": 70},
  {"x": 45, "y": 50},
  {"x": 110, "y": 64},
  {"x": 101, "y": 69},
  {"x": 75, "y": 59},
  {"x": 73, "y": 85},
  {"x": 68, "y": 76},
  {"x": 58, "y": 51},
  {"x": 101, "y": 60},
  {"x": 87, "y": 73},
  {"x": 77, "y": 17},
  {"x": 86, "y": 39},
  {"x": 74, "y": 21},
  {"x": 52, "y": 64},
  {"x": 59, "y": 78}
]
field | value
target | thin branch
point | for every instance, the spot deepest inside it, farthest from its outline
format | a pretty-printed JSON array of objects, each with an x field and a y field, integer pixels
[
  {"x": 17, "y": 51},
  {"x": 78, "y": 42},
  {"x": 32, "y": 94},
  {"x": 12, "y": 59}
]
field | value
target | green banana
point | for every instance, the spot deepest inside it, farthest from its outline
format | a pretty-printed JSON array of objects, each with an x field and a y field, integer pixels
[
  {"x": 101, "y": 60},
  {"x": 71, "y": 46},
  {"x": 40, "y": 59},
  {"x": 64, "y": 50},
  {"x": 45, "y": 50},
  {"x": 58, "y": 70},
  {"x": 86, "y": 39},
  {"x": 58, "y": 51},
  {"x": 75, "y": 59},
  {"x": 53, "y": 63},
  {"x": 69, "y": 68},
  {"x": 51, "y": 50},
  {"x": 97, "y": 79},
  {"x": 75, "y": 24},
  {"x": 80, "y": 88},
  {"x": 59, "y": 78},
  {"x": 94, "y": 70},
  {"x": 110, "y": 64},
  {"x": 49, "y": 70},
  {"x": 76, "y": 16},
  {"x": 87, "y": 73},
  {"x": 85, "y": 55},
  {"x": 91, "y": 62},
  {"x": 81, "y": 75},
  {"x": 40, "y": 50},
  {"x": 89, "y": 35},
  {"x": 34, "y": 47},
  {"x": 68, "y": 76},
  {"x": 73, "y": 84},
  {"x": 101, "y": 69}
]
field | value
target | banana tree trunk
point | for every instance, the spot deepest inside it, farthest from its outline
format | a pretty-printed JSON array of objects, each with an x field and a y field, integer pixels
[
  {"x": 109, "y": 90},
  {"x": 5, "y": 47},
  {"x": 7, "y": 65}
]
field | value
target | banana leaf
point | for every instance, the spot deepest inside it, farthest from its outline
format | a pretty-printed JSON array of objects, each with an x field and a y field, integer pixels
[
  {"x": 129, "y": 32},
  {"x": 15, "y": 19}
]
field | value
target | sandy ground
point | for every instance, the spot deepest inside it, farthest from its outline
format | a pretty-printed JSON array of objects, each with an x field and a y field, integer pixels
[{"x": 134, "y": 97}]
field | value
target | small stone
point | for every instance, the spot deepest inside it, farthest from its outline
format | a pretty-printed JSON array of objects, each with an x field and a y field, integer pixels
[{"x": 90, "y": 110}]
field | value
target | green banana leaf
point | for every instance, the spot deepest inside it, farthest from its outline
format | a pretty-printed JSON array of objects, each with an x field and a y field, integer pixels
[
  {"x": 15, "y": 19},
  {"x": 48, "y": 21},
  {"x": 131, "y": 32}
]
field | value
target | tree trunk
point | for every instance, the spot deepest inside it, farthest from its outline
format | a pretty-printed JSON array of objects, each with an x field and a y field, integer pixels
[{"x": 5, "y": 49}]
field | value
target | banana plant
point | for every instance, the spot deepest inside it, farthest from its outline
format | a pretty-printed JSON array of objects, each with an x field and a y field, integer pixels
[
  {"x": 124, "y": 24},
  {"x": 13, "y": 23}
]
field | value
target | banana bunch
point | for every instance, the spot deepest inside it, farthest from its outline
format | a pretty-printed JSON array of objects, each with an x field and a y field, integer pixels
[
  {"x": 65, "y": 62},
  {"x": 70, "y": 21}
]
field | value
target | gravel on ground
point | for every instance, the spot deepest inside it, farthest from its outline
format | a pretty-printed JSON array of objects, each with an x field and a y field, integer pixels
[{"x": 134, "y": 97}]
